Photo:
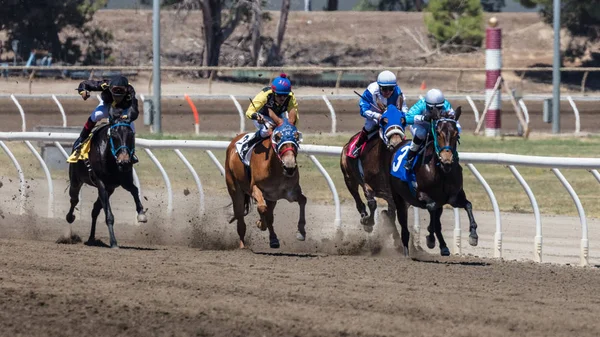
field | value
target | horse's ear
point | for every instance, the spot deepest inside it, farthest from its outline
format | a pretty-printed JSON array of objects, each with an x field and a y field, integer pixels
[{"x": 457, "y": 113}]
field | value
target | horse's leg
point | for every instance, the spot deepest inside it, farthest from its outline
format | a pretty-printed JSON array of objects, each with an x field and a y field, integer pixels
[
  {"x": 261, "y": 206},
  {"x": 273, "y": 240},
  {"x": 135, "y": 193},
  {"x": 74, "y": 188},
  {"x": 430, "y": 238},
  {"x": 444, "y": 251},
  {"x": 95, "y": 212},
  {"x": 402, "y": 210},
  {"x": 301, "y": 235},
  {"x": 104, "y": 196},
  {"x": 238, "y": 199},
  {"x": 370, "y": 195},
  {"x": 352, "y": 185},
  {"x": 389, "y": 219},
  {"x": 462, "y": 202}
]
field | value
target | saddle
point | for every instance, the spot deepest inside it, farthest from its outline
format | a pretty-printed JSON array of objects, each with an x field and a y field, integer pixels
[{"x": 352, "y": 146}]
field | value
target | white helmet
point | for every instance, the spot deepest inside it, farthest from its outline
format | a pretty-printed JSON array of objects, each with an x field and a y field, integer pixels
[
  {"x": 434, "y": 98},
  {"x": 386, "y": 79}
]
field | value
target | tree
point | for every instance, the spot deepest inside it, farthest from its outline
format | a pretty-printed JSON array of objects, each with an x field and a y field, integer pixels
[
  {"x": 275, "y": 53},
  {"x": 37, "y": 24},
  {"x": 580, "y": 18},
  {"x": 455, "y": 24}
]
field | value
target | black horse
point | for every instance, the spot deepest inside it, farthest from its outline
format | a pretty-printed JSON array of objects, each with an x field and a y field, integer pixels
[
  {"x": 109, "y": 166},
  {"x": 439, "y": 181}
]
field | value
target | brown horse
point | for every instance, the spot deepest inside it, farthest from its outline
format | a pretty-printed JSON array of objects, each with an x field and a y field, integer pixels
[
  {"x": 439, "y": 181},
  {"x": 368, "y": 170},
  {"x": 272, "y": 175}
]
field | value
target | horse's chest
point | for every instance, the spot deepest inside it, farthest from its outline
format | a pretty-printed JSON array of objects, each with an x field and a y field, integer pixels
[{"x": 284, "y": 189}]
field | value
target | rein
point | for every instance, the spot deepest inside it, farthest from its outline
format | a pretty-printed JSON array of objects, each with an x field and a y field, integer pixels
[{"x": 112, "y": 145}]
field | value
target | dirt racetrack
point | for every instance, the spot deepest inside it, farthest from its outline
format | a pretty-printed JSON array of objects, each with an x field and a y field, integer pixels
[{"x": 156, "y": 287}]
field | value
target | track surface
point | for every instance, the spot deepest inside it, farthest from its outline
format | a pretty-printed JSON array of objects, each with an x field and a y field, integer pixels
[{"x": 184, "y": 277}]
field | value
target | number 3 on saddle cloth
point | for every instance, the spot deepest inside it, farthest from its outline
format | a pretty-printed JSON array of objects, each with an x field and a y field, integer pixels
[{"x": 397, "y": 170}]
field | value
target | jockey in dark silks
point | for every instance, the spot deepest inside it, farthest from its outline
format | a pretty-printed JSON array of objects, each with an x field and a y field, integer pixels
[
  {"x": 117, "y": 93},
  {"x": 373, "y": 103},
  {"x": 268, "y": 106}
]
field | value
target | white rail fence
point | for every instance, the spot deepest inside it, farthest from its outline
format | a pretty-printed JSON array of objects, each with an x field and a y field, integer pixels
[
  {"x": 325, "y": 98},
  {"x": 470, "y": 159}
]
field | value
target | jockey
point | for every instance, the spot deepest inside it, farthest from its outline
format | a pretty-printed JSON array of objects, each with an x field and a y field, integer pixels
[
  {"x": 373, "y": 103},
  {"x": 116, "y": 92},
  {"x": 419, "y": 117},
  {"x": 270, "y": 105}
]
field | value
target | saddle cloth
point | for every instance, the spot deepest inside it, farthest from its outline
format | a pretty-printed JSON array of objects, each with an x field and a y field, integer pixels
[
  {"x": 240, "y": 144},
  {"x": 398, "y": 170},
  {"x": 352, "y": 145},
  {"x": 83, "y": 152}
]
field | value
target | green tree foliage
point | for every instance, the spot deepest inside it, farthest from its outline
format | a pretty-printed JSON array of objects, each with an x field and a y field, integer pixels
[
  {"x": 580, "y": 17},
  {"x": 37, "y": 24},
  {"x": 455, "y": 24}
]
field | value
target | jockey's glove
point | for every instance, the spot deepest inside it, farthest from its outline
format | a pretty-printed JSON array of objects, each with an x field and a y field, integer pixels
[{"x": 423, "y": 118}]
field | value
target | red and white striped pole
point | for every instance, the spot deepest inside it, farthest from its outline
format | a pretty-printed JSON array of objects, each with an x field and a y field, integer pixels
[{"x": 493, "y": 66}]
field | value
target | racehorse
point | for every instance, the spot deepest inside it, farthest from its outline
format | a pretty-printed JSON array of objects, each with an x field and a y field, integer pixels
[
  {"x": 439, "y": 181},
  {"x": 369, "y": 170},
  {"x": 272, "y": 174},
  {"x": 108, "y": 166}
]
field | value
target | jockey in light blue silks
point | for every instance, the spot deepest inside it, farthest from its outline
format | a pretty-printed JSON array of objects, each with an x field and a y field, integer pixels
[
  {"x": 419, "y": 118},
  {"x": 375, "y": 100}
]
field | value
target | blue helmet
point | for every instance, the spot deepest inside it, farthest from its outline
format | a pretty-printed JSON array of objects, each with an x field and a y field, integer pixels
[{"x": 281, "y": 85}]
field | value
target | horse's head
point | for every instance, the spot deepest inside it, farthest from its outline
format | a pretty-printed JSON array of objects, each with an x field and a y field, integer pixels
[
  {"x": 286, "y": 139},
  {"x": 121, "y": 138},
  {"x": 445, "y": 139},
  {"x": 392, "y": 127}
]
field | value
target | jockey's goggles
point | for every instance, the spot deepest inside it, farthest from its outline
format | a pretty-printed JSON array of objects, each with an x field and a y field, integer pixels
[
  {"x": 387, "y": 88},
  {"x": 439, "y": 106},
  {"x": 118, "y": 91}
]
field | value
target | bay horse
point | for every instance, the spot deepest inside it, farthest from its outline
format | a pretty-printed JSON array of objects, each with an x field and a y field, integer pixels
[
  {"x": 369, "y": 171},
  {"x": 439, "y": 181},
  {"x": 272, "y": 175},
  {"x": 109, "y": 166}
]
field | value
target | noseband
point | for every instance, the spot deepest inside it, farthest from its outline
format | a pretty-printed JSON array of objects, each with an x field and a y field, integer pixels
[{"x": 112, "y": 144}]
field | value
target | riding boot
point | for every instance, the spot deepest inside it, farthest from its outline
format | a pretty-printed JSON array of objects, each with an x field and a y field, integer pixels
[
  {"x": 85, "y": 133},
  {"x": 362, "y": 138},
  {"x": 412, "y": 153},
  {"x": 249, "y": 144}
]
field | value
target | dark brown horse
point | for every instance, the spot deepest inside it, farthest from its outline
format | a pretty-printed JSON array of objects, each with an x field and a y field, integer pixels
[
  {"x": 369, "y": 170},
  {"x": 272, "y": 175},
  {"x": 439, "y": 181}
]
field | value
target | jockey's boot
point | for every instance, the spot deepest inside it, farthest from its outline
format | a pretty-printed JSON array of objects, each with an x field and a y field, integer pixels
[
  {"x": 85, "y": 133},
  {"x": 410, "y": 158},
  {"x": 362, "y": 138},
  {"x": 249, "y": 144},
  {"x": 412, "y": 153}
]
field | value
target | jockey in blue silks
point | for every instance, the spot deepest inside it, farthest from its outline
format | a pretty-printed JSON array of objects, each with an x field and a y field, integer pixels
[
  {"x": 375, "y": 100},
  {"x": 419, "y": 118}
]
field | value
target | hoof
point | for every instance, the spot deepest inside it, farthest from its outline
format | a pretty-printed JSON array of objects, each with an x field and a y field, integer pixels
[
  {"x": 473, "y": 240},
  {"x": 445, "y": 251},
  {"x": 405, "y": 251},
  {"x": 141, "y": 217},
  {"x": 274, "y": 243},
  {"x": 70, "y": 218},
  {"x": 300, "y": 236},
  {"x": 262, "y": 226},
  {"x": 115, "y": 246},
  {"x": 242, "y": 245},
  {"x": 368, "y": 229},
  {"x": 430, "y": 241}
]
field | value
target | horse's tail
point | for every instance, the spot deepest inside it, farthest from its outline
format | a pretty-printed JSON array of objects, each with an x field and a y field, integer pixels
[{"x": 247, "y": 202}]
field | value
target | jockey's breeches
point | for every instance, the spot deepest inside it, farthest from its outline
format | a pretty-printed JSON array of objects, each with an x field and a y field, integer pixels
[
  {"x": 101, "y": 112},
  {"x": 263, "y": 128}
]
